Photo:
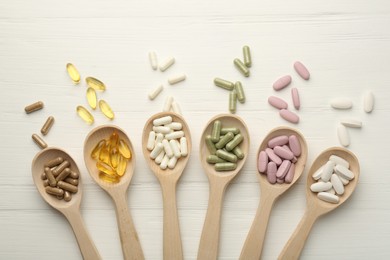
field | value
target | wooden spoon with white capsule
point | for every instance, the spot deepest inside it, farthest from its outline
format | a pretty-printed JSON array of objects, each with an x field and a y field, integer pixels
[
  {"x": 316, "y": 207},
  {"x": 168, "y": 179}
]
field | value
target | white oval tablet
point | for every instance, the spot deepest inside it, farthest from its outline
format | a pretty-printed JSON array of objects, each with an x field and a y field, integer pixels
[
  {"x": 341, "y": 103},
  {"x": 320, "y": 186},
  {"x": 368, "y": 102},
  {"x": 343, "y": 135},
  {"x": 327, "y": 171},
  {"x": 344, "y": 172},
  {"x": 318, "y": 173},
  {"x": 351, "y": 123},
  {"x": 338, "y": 160},
  {"x": 337, "y": 184},
  {"x": 328, "y": 197}
]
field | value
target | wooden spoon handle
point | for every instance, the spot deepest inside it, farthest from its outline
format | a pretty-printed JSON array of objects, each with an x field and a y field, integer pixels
[
  {"x": 131, "y": 246},
  {"x": 209, "y": 241},
  {"x": 254, "y": 241},
  {"x": 86, "y": 245},
  {"x": 171, "y": 229},
  {"x": 294, "y": 246}
]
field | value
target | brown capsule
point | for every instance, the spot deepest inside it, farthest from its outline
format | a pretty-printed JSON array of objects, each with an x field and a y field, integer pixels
[
  {"x": 68, "y": 187},
  {"x": 50, "y": 177},
  {"x": 54, "y": 162},
  {"x": 43, "y": 176},
  {"x": 72, "y": 181},
  {"x": 48, "y": 124},
  {"x": 39, "y": 141},
  {"x": 54, "y": 191},
  {"x": 33, "y": 107},
  {"x": 67, "y": 196},
  {"x": 60, "y": 197},
  {"x": 63, "y": 175},
  {"x": 60, "y": 168},
  {"x": 46, "y": 183},
  {"x": 74, "y": 175}
]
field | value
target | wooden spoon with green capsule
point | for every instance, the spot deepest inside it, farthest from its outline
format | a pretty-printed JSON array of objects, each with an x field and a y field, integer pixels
[{"x": 218, "y": 181}]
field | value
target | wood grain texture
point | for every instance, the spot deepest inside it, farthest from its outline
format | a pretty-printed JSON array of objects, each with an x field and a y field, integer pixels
[{"x": 344, "y": 44}]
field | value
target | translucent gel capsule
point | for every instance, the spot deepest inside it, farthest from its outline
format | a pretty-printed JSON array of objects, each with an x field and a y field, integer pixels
[
  {"x": 91, "y": 97},
  {"x": 108, "y": 178},
  {"x": 96, "y": 150},
  {"x": 124, "y": 149},
  {"x": 104, "y": 154},
  {"x": 85, "y": 115},
  {"x": 121, "y": 169},
  {"x": 106, "y": 109},
  {"x": 73, "y": 73},
  {"x": 95, "y": 83},
  {"x": 104, "y": 167},
  {"x": 114, "y": 140},
  {"x": 114, "y": 158}
]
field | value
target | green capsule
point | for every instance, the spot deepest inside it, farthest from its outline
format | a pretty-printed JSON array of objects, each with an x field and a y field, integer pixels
[
  {"x": 233, "y": 143},
  {"x": 238, "y": 152},
  {"x": 232, "y": 101},
  {"x": 234, "y": 130},
  {"x": 241, "y": 67},
  {"x": 247, "y": 56},
  {"x": 226, "y": 156},
  {"x": 240, "y": 92},
  {"x": 214, "y": 159},
  {"x": 210, "y": 145},
  {"x": 223, "y": 84},
  {"x": 226, "y": 166},
  {"x": 227, "y": 138},
  {"x": 216, "y": 131}
]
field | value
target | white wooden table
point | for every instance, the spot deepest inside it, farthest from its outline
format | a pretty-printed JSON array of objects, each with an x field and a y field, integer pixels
[{"x": 345, "y": 45}]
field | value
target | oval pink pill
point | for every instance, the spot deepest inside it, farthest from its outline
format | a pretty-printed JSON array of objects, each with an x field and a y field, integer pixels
[
  {"x": 282, "y": 82},
  {"x": 295, "y": 98},
  {"x": 295, "y": 145},
  {"x": 290, "y": 174},
  {"x": 283, "y": 169},
  {"x": 283, "y": 153},
  {"x": 271, "y": 172},
  {"x": 280, "y": 181},
  {"x": 273, "y": 157},
  {"x": 262, "y": 162},
  {"x": 301, "y": 70},
  {"x": 289, "y": 116},
  {"x": 277, "y": 102},
  {"x": 279, "y": 140}
]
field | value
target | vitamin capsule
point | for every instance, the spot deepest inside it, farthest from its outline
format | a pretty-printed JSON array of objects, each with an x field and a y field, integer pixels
[
  {"x": 283, "y": 169},
  {"x": 124, "y": 149},
  {"x": 48, "y": 124},
  {"x": 176, "y": 79},
  {"x": 109, "y": 178},
  {"x": 272, "y": 156},
  {"x": 95, "y": 83},
  {"x": 238, "y": 152},
  {"x": 320, "y": 186},
  {"x": 161, "y": 129},
  {"x": 106, "y": 109},
  {"x": 241, "y": 67},
  {"x": 151, "y": 139},
  {"x": 344, "y": 172},
  {"x": 39, "y": 141},
  {"x": 159, "y": 138},
  {"x": 174, "y": 135},
  {"x": 368, "y": 102},
  {"x": 343, "y": 135},
  {"x": 225, "y": 139},
  {"x": 247, "y": 56},
  {"x": 160, "y": 157},
  {"x": 235, "y": 142},
  {"x": 271, "y": 172},
  {"x": 122, "y": 165},
  {"x": 43, "y": 176},
  {"x": 337, "y": 184},
  {"x": 67, "y": 196},
  {"x": 34, "y": 107},
  {"x": 85, "y": 115},
  {"x": 167, "y": 63},
  {"x": 295, "y": 98},
  {"x": 210, "y": 145},
  {"x": 114, "y": 140},
  {"x": 262, "y": 162},
  {"x": 60, "y": 168},
  {"x": 240, "y": 92},
  {"x": 73, "y": 73},
  {"x": 216, "y": 131},
  {"x": 301, "y": 70},
  {"x": 46, "y": 183},
  {"x": 226, "y": 156},
  {"x": 164, "y": 162},
  {"x": 232, "y": 101},
  {"x": 283, "y": 153},
  {"x": 175, "y": 148},
  {"x": 162, "y": 121},
  {"x": 277, "y": 102},
  {"x": 172, "y": 162},
  {"x": 214, "y": 159},
  {"x": 174, "y": 126},
  {"x": 54, "y": 162},
  {"x": 289, "y": 116},
  {"x": 96, "y": 150},
  {"x": 327, "y": 171},
  {"x": 328, "y": 197},
  {"x": 225, "y": 166},
  {"x": 167, "y": 148},
  {"x": 295, "y": 145},
  {"x": 67, "y": 187},
  {"x": 225, "y": 130},
  {"x": 50, "y": 177},
  {"x": 91, "y": 97},
  {"x": 74, "y": 175},
  {"x": 168, "y": 104},
  {"x": 153, "y": 60},
  {"x": 338, "y": 160},
  {"x": 106, "y": 168},
  {"x": 54, "y": 191},
  {"x": 290, "y": 174},
  {"x": 282, "y": 82},
  {"x": 72, "y": 181},
  {"x": 104, "y": 154},
  {"x": 115, "y": 157},
  {"x": 278, "y": 140},
  {"x": 156, "y": 151},
  {"x": 341, "y": 103},
  {"x": 317, "y": 174},
  {"x": 155, "y": 92},
  {"x": 176, "y": 108},
  {"x": 63, "y": 175},
  {"x": 183, "y": 146},
  {"x": 223, "y": 84},
  {"x": 351, "y": 123}
]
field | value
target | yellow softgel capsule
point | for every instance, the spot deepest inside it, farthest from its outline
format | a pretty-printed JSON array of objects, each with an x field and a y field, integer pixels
[
  {"x": 114, "y": 140},
  {"x": 96, "y": 151},
  {"x": 104, "y": 154},
  {"x": 121, "y": 169},
  {"x": 114, "y": 158},
  {"x": 108, "y": 178},
  {"x": 91, "y": 97},
  {"x": 106, "y": 109},
  {"x": 104, "y": 167},
  {"x": 85, "y": 115},
  {"x": 95, "y": 83},
  {"x": 73, "y": 73},
  {"x": 124, "y": 149}
]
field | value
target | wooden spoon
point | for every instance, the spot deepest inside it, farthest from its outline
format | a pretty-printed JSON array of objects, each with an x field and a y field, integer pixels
[
  {"x": 71, "y": 209},
  {"x": 168, "y": 179},
  {"x": 209, "y": 242},
  {"x": 316, "y": 207},
  {"x": 269, "y": 194},
  {"x": 131, "y": 246}
]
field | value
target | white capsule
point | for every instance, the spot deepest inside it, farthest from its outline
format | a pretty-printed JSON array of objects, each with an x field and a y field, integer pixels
[
  {"x": 327, "y": 171},
  {"x": 168, "y": 103},
  {"x": 151, "y": 140},
  {"x": 175, "y": 148},
  {"x": 159, "y": 138},
  {"x": 176, "y": 79},
  {"x": 161, "y": 129},
  {"x": 156, "y": 151},
  {"x": 328, "y": 197},
  {"x": 167, "y": 63},
  {"x": 351, "y": 123},
  {"x": 172, "y": 162},
  {"x": 318, "y": 173},
  {"x": 320, "y": 186},
  {"x": 337, "y": 184},
  {"x": 176, "y": 108},
  {"x": 341, "y": 103},
  {"x": 174, "y": 126},
  {"x": 368, "y": 102},
  {"x": 183, "y": 146},
  {"x": 174, "y": 135},
  {"x": 153, "y": 59},
  {"x": 331, "y": 191},
  {"x": 338, "y": 160},
  {"x": 154, "y": 93},
  {"x": 160, "y": 157},
  {"x": 164, "y": 162},
  {"x": 344, "y": 172},
  {"x": 162, "y": 120},
  {"x": 167, "y": 148},
  {"x": 343, "y": 135}
]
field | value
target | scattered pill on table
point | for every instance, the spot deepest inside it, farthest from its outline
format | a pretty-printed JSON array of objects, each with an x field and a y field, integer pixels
[
  {"x": 164, "y": 65},
  {"x": 343, "y": 135},
  {"x": 240, "y": 92},
  {"x": 241, "y": 67},
  {"x": 95, "y": 83},
  {"x": 282, "y": 82},
  {"x": 247, "y": 56},
  {"x": 301, "y": 70},
  {"x": 368, "y": 102},
  {"x": 73, "y": 73},
  {"x": 295, "y": 98},
  {"x": 106, "y": 109},
  {"x": 351, "y": 123},
  {"x": 155, "y": 92},
  {"x": 34, "y": 107},
  {"x": 176, "y": 79},
  {"x": 91, "y": 97},
  {"x": 85, "y": 114},
  {"x": 341, "y": 103},
  {"x": 289, "y": 116},
  {"x": 277, "y": 102},
  {"x": 153, "y": 60},
  {"x": 224, "y": 84},
  {"x": 47, "y": 125},
  {"x": 39, "y": 141}
]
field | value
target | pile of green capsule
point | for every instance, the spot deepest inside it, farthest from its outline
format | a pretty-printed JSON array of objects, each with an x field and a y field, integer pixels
[{"x": 223, "y": 145}]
